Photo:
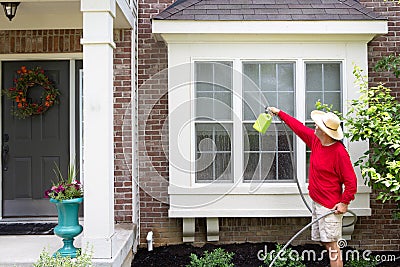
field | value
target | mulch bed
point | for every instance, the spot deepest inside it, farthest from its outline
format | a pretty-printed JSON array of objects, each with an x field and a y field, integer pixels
[{"x": 245, "y": 255}]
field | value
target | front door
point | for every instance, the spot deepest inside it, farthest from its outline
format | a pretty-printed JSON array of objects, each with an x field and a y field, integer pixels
[{"x": 32, "y": 146}]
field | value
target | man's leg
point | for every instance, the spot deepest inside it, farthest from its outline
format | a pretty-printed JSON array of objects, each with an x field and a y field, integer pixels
[
  {"x": 335, "y": 255},
  {"x": 330, "y": 231}
]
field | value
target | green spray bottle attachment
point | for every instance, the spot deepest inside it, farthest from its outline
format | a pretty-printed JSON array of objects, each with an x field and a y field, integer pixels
[{"x": 263, "y": 122}]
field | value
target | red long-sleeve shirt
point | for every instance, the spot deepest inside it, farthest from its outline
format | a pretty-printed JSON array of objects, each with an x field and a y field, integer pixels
[{"x": 330, "y": 167}]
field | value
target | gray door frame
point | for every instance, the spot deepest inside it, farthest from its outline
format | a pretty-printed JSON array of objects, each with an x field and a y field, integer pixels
[{"x": 72, "y": 114}]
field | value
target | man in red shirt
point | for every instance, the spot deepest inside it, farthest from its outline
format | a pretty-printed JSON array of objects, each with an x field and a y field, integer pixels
[{"x": 330, "y": 170}]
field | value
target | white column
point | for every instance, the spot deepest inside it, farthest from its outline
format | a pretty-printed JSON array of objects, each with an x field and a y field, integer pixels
[{"x": 98, "y": 155}]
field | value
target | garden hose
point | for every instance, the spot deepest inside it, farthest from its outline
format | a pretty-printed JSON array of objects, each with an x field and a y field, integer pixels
[
  {"x": 298, "y": 233},
  {"x": 303, "y": 198}
]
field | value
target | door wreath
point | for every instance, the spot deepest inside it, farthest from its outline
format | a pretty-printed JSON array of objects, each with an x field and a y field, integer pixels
[{"x": 26, "y": 79}]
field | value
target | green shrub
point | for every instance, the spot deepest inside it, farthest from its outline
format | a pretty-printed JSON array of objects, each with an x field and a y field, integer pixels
[
  {"x": 369, "y": 262},
  {"x": 47, "y": 260},
  {"x": 285, "y": 259},
  {"x": 217, "y": 258}
]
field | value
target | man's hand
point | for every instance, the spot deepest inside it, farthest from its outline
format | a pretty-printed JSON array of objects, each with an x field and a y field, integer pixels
[
  {"x": 273, "y": 110},
  {"x": 340, "y": 208}
]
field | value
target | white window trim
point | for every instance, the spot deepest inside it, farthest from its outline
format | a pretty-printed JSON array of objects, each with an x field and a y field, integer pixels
[{"x": 190, "y": 200}]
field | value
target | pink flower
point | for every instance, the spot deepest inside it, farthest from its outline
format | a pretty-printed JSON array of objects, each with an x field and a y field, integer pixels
[
  {"x": 60, "y": 188},
  {"x": 46, "y": 193}
]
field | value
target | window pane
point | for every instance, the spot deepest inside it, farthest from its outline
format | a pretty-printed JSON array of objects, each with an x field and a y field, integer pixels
[
  {"x": 251, "y": 162},
  {"x": 271, "y": 149},
  {"x": 313, "y": 77},
  {"x": 204, "y": 106},
  {"x": 271, "y": 98},
  {"x": 268, "y": 166},
  {"x": 286, "y": 77},
  {"x": 285, "y": 143},
  {"x": 286, "y": 102},
  {"x": 267, "y": 143},
  {"x": 204, "y": 167},
  {"x": 222, "y": 166},
  {"x": 223, "y": 76},
  {"x": 222, "y": 137},
  {"x": 332, "y": 77},
  {"x": 222, "y": 106},
  {"x": 277, "y": 87},
  {"x": 213, "y": 88},
  {"x": 204, "y": 72},
  {"x": 253, "y": 105},
  {"x": 251, "y": 138},
  {"x": 268, "y": 77},
  {"x": 213, "y": 152},
  {"x": 334, "y": 100},
  {"x": 285, "y": 167},
  {"x": 311, "y": 99},
  {"x": 250, "y": 77},
  {"x": 259, "y": 167},
  {"x": 328, "y": 77}
]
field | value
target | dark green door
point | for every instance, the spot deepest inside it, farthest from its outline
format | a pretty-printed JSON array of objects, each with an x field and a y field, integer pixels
[{"x": 32, "y": 146}]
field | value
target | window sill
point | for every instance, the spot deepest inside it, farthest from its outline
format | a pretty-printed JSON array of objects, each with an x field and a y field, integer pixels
[
  {"x": 246, "y": 189},
  {"x": 251, "y": 213},
  {"x": 230, "y": 201}
]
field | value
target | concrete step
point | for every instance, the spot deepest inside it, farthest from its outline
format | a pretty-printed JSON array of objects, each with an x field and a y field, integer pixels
[{"x": 24, "y": 250}]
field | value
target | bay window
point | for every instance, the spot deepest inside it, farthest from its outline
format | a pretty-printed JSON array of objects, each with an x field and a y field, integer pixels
[
  {"x": 219, "y": 166},
  {"x": 221, "y": 76},
  {"x": 268, "y": 157}
]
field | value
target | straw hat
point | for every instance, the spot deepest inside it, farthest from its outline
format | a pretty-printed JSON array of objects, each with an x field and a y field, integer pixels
[{"x": 329, "y": 123}]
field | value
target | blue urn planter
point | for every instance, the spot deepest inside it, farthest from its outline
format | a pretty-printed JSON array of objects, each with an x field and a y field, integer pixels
[{"x": 68, "y": 225}]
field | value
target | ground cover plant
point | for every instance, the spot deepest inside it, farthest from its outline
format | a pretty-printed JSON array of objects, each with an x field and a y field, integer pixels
[
  {"x": 216, "y": 258},
  {"x": 48, "y": 260}
]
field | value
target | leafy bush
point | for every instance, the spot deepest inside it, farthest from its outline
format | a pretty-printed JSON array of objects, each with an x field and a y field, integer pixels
[
  {"x": 47, "y": 260},
  {"x": 286, "y": 258},
  {"x": 362, "y": 262},
  {"x": 389, "y": 63},
  {"x": 217, "y": 258},
  {"x": 375, "y": 116}
]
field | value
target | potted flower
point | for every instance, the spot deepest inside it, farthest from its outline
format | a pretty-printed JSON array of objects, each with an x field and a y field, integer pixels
[{"x": 67, "y": 195}]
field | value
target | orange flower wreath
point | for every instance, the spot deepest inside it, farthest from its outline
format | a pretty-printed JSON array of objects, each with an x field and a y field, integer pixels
[{"x": 27, "y": 79}]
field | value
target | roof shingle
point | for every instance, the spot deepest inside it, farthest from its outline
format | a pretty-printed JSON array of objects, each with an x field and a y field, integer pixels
[{"x": 278, "y": 10}]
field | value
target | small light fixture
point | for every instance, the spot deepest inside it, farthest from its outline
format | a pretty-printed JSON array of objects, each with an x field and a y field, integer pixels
[{"x": 10, "y": 8}]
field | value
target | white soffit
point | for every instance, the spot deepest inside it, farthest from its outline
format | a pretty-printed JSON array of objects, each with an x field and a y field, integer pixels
[{"x": 370, "y": 28}]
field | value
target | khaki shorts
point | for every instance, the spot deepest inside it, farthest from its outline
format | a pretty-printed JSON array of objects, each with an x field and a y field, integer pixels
[{"x": 329, "y": 228}]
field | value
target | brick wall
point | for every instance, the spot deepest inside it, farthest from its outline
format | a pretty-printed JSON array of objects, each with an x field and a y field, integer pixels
[
  {"x": 123, "y": 145},
  {"x": 386, "y": 44},
  {"x": 40, "y": 41},
  {"x": 153, "y": 138},
  {"x": 68, "y": 41},
  {"x": 378, "y": 232}
]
